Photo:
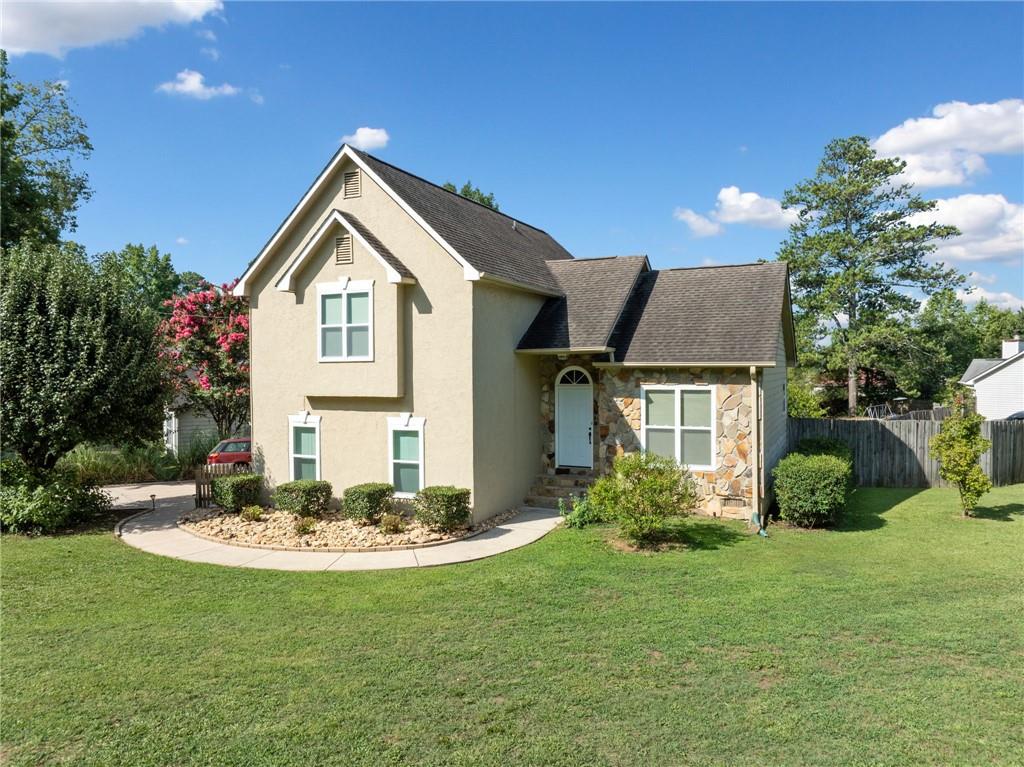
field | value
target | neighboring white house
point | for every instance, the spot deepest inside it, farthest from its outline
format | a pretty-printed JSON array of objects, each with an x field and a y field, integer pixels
[
  {"x": 998, "y": 384},
  {"x": 183, "y": 424}
]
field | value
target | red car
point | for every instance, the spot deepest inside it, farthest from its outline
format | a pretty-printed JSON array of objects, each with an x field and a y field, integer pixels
[{"x": 231, "y": 451}]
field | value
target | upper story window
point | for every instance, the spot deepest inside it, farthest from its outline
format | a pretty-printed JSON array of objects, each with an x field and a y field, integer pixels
[
  {"x": 678, "y": 422},
  {"x": 345, "y": 321}
]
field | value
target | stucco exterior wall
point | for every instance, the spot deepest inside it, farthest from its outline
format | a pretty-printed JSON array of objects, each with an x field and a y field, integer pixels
[
  {"x": 422, "y": 351},
  {"x": 506, "y": 389}
]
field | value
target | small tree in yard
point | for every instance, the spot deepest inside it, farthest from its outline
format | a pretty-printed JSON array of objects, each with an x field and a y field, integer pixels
[
  {"x": 958, "y": 447},
  {"x": 79, "y": 358},
  {"x": 207, "y": 339}
]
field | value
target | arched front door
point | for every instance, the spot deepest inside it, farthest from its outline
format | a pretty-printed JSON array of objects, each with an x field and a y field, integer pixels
[{"x": 574, "y": 418}]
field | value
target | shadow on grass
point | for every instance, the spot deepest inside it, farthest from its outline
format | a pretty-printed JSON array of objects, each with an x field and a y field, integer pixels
[
  {"x": 687, "y": 534},
  {"x": 1003, "y": 513},
  {"x": 868, "y": 505}
]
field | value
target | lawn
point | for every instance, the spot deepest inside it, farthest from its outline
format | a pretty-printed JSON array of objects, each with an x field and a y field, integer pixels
[{"x": 895, "y": 640}]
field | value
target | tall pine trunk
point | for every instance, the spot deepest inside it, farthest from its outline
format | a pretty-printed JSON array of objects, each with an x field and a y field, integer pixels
[{"x": 851, "y": 388}]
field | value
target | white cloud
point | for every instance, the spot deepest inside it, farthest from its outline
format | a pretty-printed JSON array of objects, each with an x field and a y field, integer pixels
[
  {"x": 211, "y": 53},
  {"x": 991, "y": 228},
  {"x": 255, "y": 96},
  {"x": 54, "y": 28},
  {"x": 1003, "y": 299},
  {"x": 700, "y": 226},
  {"x": 192, "y": 84},
  {"x": 978, "y": 278},
  {"x": 181, "y": 241},
  {"x": 367, "y": 138},
  {"x": 207, "y": 34},
  {"x": 947, "y": 149},
  {"x": 736, "y": 207}
]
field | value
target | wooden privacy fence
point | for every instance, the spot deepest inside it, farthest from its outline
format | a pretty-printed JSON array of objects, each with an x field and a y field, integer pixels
[
  {"x": 895, "y": 453},
  {"x": 204, "y": 479}
]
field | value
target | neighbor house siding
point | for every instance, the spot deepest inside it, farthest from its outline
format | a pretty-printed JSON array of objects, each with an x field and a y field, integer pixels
[
  {"x": 422, "y": 363},
  {"x": 1001, "y": 393},
  {"x": 184, "y": 425},
  {"x": 774, "y": 391},
  {"x": 506, "y": 390}
]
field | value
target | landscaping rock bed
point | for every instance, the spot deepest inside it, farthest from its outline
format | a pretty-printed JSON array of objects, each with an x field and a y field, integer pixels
[{"x": 332, "y": 532}]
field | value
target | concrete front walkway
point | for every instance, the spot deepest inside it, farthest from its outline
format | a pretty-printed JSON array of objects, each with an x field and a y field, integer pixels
[{"x": 156, "y": 531}]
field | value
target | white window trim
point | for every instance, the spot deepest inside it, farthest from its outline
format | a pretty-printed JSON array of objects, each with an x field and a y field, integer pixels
[
  {"x": 405, "y": 422},
  {"x": 677, "y": 427},
  {"x": 302, "y": 419},
  {"x": 342, "y": 288}
]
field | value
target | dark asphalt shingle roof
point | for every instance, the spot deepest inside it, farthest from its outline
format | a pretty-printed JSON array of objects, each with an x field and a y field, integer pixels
[
  {"x": 595, "y": 291},
  {"x": 977, "y": 367},
  {"x": 377, "y": 245},
  {"x": 484, "y": 237},
  {"x": 717, "y": 315}
]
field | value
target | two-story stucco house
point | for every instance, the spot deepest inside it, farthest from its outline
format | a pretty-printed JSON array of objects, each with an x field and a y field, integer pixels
[{"x": 403, "y": 333}]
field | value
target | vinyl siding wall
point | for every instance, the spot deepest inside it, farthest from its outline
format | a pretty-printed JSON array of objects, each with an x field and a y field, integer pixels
[
  {"x": 774, "y": 430},
  {"x": 1002, "y": 393}
]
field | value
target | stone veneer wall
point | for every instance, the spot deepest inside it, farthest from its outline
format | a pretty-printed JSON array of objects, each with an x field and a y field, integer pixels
[{"x": 729, "y": 489}]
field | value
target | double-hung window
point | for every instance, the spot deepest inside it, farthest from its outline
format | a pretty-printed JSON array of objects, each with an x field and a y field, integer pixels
[
  {"x": 405, "y": 454},
  {"x": 304, "y": 446},
  {"x": 678, "y": 422},
  {"x": 345, "y": 321}
]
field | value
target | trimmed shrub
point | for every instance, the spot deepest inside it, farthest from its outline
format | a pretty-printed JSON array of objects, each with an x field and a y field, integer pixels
[
  {"x": 306, "y": 497},
  {"x": 59, "y": 500},
  {"x": 233, "y": 492},
  {"x": 392, "y": 524},
  {"x": 811, "y": 490},
  {"x": 305, "y": 525},
  {"x": 643, "y": 492},
  {"x": 368, "y": 502},
  {"x": 958, "y": 447},
  {"x": 443, "y": 507},
  {"x": 252, "y": 513}
]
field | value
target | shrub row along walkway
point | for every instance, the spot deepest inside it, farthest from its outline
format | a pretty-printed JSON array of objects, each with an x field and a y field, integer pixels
[{"x": 155, "y": 530}]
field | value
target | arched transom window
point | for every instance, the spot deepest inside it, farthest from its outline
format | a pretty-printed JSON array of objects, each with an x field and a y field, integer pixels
[{"x": 574, "y": 376}]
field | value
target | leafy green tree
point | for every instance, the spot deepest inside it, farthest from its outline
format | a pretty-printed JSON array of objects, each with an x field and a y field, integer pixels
[
  {"x": 146, "y": 271},
  {"x": 855, "y": 253},
  {"x": 993, "y": 325},
  {"x": 79, "y": 360},
  {"x": 474, "y": 193},
  {"x": 958, "y": 448},
  {"x": 39, "y": 137},
  {"x": 189, "y": 282},
  {"x": 802, "y": 400}
]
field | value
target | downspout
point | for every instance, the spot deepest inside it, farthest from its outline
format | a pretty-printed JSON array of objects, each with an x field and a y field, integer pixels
[{"x": 755, "y": 452}]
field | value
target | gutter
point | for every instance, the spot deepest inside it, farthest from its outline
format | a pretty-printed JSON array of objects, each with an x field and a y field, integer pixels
[
  {"x": 756, "y": 516},
  {"x": 692, "y": 364},
  {"x": 486, "y": 277}
]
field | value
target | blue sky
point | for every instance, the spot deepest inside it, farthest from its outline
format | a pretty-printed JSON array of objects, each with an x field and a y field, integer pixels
[{"x": 670, "y": 130}]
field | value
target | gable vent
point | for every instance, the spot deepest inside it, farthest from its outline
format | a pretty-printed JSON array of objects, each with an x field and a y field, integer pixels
[
  {"x": 353, "y": 184},
  {"x": 343, "y": 249}
]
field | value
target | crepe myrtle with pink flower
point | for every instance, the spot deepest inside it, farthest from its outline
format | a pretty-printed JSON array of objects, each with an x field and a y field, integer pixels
[{"x": 207, "y": 350}]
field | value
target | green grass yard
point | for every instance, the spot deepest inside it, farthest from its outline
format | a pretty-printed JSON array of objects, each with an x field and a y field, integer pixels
[{"x": 896, "y": 640}]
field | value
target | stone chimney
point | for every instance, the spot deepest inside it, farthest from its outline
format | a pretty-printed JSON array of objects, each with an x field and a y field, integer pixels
[{"x": 1013, "y": 346}]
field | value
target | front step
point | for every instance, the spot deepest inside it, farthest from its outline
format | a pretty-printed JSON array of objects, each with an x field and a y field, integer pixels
[{"x": 551, "y": 488}]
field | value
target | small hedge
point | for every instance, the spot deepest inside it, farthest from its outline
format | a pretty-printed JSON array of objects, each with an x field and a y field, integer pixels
[
  {"x": 305, "y": 497},
  {"x": 368, "y": 502},
  {"x": 825, "y": 446},
  {"x": 234, "y": 492},
  {"x": 443, "y": 507},
  {"x": 58, "y": 500},
  {"x": 811, "y": 490}
]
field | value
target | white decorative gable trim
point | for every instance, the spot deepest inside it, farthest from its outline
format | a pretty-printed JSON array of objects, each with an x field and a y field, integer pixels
[
  {"x": 242, "y": 288},
  {"x": 287, "y": 281}
]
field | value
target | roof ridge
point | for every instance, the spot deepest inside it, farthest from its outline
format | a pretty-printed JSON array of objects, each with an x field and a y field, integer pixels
[
  {"x": 588, "y": 259},
  {"x": 718, "y": 266},
  {"x": 449, "y": 191}
]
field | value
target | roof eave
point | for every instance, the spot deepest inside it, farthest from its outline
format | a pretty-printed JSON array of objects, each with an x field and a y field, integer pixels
[{"x": 684, "y": 364}]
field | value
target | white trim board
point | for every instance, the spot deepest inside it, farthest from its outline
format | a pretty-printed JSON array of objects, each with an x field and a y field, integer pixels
[{"x": 287, "y": 281}]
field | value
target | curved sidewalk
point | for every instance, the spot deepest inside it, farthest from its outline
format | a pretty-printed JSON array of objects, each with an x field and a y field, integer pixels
[{"x": 156, "y": 532}]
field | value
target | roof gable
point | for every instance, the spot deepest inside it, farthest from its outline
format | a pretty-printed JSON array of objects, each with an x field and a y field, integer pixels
[
  {"x": 497, "y": 247},
  {"x": 982, "y": 368}
]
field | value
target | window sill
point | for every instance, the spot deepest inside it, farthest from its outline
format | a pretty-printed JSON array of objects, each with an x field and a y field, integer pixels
[
  {"x": 404, "y": 496},
  {"x": 345, "y": 359}
]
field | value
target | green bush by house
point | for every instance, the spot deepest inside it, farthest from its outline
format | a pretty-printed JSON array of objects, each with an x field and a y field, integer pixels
[
  {"x": 32, "y": 504},
  {"x": 368, "y": 502},
  {"x": 305, "y": 497},
  {"x": 812, "y": 490},
  {"x": 642, "y": 493},
  {"x": 825, "y": 446},
  {"x": 443, "y": 507},
  {"x": 233, "y": 492}
]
